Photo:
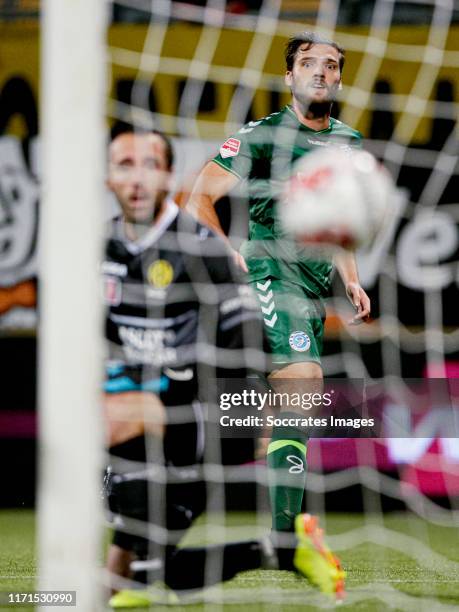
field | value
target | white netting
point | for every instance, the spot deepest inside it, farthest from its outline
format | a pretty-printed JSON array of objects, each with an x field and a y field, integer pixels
[{"x": 199, "y": 72}]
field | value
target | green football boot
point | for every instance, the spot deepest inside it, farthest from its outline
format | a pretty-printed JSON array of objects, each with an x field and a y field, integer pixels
[
  {"x": 314, "y": 560},
  {"x": 143, "y": 598}
]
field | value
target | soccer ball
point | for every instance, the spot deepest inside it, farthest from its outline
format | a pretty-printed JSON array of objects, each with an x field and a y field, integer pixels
[{"x": 338, "y": 197}]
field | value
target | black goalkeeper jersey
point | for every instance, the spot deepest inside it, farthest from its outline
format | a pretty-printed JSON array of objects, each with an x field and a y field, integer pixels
[
  {"x": 174, "y": 298},
  {"x": 178, "y": 312}
]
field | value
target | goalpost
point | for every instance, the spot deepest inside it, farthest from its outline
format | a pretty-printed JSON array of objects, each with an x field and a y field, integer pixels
[
  {"x": 73, "y": 132},
  {"x": 199, "y": 73}
]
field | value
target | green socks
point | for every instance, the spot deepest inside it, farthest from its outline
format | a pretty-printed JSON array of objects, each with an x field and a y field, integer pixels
[{"x": 286, "y": 459}]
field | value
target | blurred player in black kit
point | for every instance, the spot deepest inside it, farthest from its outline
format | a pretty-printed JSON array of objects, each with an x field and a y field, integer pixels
[{"x": 178, "y": 316}]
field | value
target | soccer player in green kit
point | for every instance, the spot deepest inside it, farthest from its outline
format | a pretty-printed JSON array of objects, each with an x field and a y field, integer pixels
[{"x": 290, "y": 285}]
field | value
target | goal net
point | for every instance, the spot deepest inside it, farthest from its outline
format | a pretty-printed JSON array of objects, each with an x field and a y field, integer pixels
[{"x": 198, "y": 71}]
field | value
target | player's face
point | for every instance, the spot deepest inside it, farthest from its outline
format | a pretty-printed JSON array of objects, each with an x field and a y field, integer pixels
[
  {"x": 315, "y": 76},
  {"x": 138, "y": 175}
]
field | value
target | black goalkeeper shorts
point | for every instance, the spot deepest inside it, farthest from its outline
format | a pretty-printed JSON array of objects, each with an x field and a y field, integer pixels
[{"x": 173, "y": 507}]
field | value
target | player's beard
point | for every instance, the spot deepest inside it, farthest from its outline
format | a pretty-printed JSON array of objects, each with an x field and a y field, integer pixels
[
  {"x": 315, "y": 109},
  {"x": 155, "y": 208}
]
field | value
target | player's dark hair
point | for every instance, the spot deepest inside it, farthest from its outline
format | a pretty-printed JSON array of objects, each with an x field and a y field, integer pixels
[
  {"x": 126, "y": 128},
  {"x": 310, "y": 39}
]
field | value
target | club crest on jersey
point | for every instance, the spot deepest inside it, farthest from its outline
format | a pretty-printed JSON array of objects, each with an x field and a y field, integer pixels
[
  {"x": 160, "y": 274},
  {"x": 299, "y": 341},
  {"x": 230, "y": 148},
  {"x": 112, "y": 290}
]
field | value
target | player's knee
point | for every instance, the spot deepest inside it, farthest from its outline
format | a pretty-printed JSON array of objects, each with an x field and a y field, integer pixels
[
  {"x": 294, "y": 379},
  {"x": 299, "y": 371}
]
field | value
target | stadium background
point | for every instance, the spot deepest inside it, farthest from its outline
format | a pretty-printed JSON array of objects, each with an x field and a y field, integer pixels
[{"x": 415, "y": 249}]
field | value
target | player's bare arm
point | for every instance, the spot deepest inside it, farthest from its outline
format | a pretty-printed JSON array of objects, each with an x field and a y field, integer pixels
[
  {"x": 347, "y": 268},
  {"x": 132, "y": 414},
  {"x": 213, "y": 183}
]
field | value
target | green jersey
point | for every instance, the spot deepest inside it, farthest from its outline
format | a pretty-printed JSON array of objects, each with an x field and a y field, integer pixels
[{"x": 263, "y": 152}]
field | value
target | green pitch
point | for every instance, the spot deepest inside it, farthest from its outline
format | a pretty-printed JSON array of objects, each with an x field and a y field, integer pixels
[{"x": 393, "y": 561}]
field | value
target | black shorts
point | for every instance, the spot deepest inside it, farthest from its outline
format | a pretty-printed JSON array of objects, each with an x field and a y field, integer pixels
[{"x": 138, "y": 504}]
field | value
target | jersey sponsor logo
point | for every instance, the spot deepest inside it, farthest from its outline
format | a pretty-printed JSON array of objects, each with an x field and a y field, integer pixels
[
  {"x": 112, "y": 291},
  {"x": 297, "y": 464},
  {"x": 230, "y": 148},
  {"x": 299, "y": 341},
  {"x": 147, "y": 345},
  {"x": 145, "y": 339},
  {"x": 160, "y": 274}
]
